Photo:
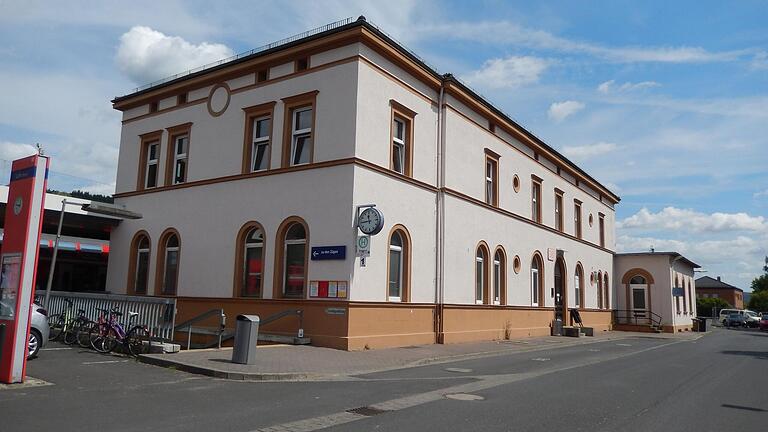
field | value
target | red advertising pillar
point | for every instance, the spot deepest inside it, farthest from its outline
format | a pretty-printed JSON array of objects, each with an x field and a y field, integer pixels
[{"x": 18, "y": 262}]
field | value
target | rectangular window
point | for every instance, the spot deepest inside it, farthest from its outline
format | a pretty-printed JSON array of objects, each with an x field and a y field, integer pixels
[
  {"x": 260, "y": 146},
  {"x": 490, "y": 182},
  {"x": 180, "y": 159},
  {"x": 395, "y": 273},
  {"x": 496, "y": 282},
  {"x": 602, "y": 229},
  {"x": 398, "y": 145},
  {"x": 181, "y": 99},
  {"x": 142, "y": 271},
  {"x": 253, "y": 270},
  {"x": 302, "y": 64},
  {"x": 536, "y": 201},
  {"x": 577, "y": 218},
  {"x": 298, "y": 132},
  {"x": 294, "y": 273},
  {"x": 171, "y": 270},
  {"x": 153, "y": 107},
  {"x": 535, "y": 286},
  {"x": 153, "y": 156},
  {"x": 558, "y": 210},
  {"x": 262, "y": 75},
  {"x": 577, "y": 286},
  {"x": 479, "y": 280},
  {"x": 401, "y": 150}
]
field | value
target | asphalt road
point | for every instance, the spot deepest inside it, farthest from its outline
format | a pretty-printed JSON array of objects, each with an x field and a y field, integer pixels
[{"x": 718, "y": 382}]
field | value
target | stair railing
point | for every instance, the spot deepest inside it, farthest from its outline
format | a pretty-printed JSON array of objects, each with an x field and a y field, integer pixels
[
  {"x": 188, "y": 324},
  {"x": 627, "y": 316}
]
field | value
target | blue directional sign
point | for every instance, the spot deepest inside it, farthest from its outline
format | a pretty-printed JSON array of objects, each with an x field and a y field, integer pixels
[
  {"x": 320, "y": 253},
  {"x": 678, "y": 292}
]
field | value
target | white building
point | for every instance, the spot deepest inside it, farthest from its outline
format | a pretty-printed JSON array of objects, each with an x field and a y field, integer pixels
[{"x": 240, "y": 169}]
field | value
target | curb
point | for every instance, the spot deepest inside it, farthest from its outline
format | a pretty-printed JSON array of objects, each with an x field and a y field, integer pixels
[{"x": 222, "y": 374}]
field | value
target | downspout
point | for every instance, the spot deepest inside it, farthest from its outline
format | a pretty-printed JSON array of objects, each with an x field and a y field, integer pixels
[{"x": 440, "y": 214}]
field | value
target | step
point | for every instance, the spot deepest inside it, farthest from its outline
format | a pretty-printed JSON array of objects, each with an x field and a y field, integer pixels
[{"x": 284, "y": 339}]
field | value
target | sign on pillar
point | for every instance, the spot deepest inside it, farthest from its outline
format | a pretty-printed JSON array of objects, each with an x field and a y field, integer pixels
[{"x": 18, "y": 262}]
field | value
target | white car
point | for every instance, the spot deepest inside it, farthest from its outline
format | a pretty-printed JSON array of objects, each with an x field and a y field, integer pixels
[
  {"x": 751, "y": 318},
  {"x": 38, "y": 331}
]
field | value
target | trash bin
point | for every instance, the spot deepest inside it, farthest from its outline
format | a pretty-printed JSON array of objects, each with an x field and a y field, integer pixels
[
  {"x": 702, "y": 324},
  {"x": 695, "y": 324},
  {"x": 246, "y": 337},
  {"x": 557, "y": 327}
]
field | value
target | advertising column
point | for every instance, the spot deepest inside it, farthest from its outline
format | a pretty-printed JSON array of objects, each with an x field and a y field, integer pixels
[{"x": 18, "y": 262}]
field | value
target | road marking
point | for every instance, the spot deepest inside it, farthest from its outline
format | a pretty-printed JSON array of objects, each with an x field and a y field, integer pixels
[
  {"x": 55, "y": 349},
  {"x": 104, "y": 362},
  {"x": 623, "y": 344},
  {"x": 541, "y": 359},
  {"x": 593, "y": 350},
  {"x": 460, "y": 370},
  {"x": 464, "y": 397}
]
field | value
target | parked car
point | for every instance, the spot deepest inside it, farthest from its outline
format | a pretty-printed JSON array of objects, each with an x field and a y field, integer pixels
[
  {"x": 39, "y": 329},
  {"x": 724, "y": 315},
  {"x": 764, "y": 321},
  {"x": 752, "y": 319},
  {"x": 735, "y": 319}
]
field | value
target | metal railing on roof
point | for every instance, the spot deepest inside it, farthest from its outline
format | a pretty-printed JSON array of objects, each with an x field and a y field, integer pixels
[{"x": 235, "y": 57}]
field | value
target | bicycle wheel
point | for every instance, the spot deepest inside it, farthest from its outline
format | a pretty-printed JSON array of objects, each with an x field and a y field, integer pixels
[
  {"x": 84, "y": 333},
  {"x": 138, "y": 341},
  {"x": 70, "y": 332},
  {"x": 56, "y": 323},
  {"x": 109, "y": 341},
  {"x": 96, "y": 336}
]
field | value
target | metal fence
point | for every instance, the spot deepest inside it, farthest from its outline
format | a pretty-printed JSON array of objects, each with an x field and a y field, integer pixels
[{"x": 157, "y": 313}]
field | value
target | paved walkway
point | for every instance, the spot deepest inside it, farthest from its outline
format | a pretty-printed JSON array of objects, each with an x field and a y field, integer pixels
[{"x": 302, "y": 363}]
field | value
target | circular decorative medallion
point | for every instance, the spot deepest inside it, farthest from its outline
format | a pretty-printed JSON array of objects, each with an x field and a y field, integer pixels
[
  {"x": 17, "y": 205},
  {"x": 516, "y": 183},
  {"x": 591, "y": 219},
  {"x": 218, "y": 99},
  {"x": 516, "y": 264}
]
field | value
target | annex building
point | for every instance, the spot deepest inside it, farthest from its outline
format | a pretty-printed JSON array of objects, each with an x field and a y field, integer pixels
[{"x": 251, "y": 174}]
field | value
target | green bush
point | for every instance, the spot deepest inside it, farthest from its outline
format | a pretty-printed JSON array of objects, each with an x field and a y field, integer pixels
[
  {"x": 759, "y": 301},
  {"x": 705, "y": 305}
]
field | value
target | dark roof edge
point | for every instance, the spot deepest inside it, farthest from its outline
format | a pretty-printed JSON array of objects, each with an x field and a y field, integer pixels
[
  {"x": 673, "y": 254},
  {"x": 727, "y": 285}
]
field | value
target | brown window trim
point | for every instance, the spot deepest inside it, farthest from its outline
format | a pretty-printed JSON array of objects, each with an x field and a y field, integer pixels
[
  {"x": 160, "y": 267},
  {"x": 296, "y": 67},
  {"x": 493, "y": 158},
  {"x": 290, "y": 104},
  {"x": 606, "y": 292},
  {"x": 237, "y": 284},
  {"x": 542, "y": 278},
  {"x": 536, "y": 181},
  {"x": 560, "y": 217},
  {"x": 578, "y": 226},
  {"x": 278, "y": 276},
  {"x": 405, "y": 296},
  {"x": 132, "y": 263},
  {"x": 252, "y": 113},
  {"x": 173, "y": 132},
  {"x": 580, "y": 272},
  {"x": 486, "y": 273},
  {"x": 405, "y": 114},
  {"x": 144, "y": 141},
  {"x": 600, "y": 304},
  {"x": 601, "y": 227},
  {"x": 502, "y": 276}
]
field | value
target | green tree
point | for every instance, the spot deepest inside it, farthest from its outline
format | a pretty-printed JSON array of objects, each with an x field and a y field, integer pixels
[
  {"x": 759, "y": 301},
  {"x": 704, "y": 305},
  {"x": 760, "y": 283}
]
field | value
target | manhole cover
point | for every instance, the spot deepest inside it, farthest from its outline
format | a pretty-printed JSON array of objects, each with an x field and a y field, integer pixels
[
  {"x": 366, "y": 411},
  {"x": 464, "y": 397},
  {"x": 459, "y": 370}
]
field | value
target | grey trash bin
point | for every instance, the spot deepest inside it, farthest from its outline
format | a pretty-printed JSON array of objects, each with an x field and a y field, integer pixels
[{"x": 246, "y": 336}]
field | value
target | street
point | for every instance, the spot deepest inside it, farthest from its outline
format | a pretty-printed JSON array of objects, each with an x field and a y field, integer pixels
[{"x": 717, "y": 382}]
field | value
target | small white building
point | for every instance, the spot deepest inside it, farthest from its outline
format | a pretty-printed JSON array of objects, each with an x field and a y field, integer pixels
[
  {"x": 655, "y": 290},
  {"x": 241, "y": 170}
]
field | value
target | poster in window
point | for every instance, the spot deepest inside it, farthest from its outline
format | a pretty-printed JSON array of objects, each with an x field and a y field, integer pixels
[
  {"x": 313, "y": 285},
  {"x": 9, "y": 285},
  {"x": 332, "y": 287},
  {"x": 341, "y": 290}
]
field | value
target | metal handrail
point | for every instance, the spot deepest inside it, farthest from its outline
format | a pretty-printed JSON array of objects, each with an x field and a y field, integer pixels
[
  {"x": 285, "y": 313},
  {"x": 652, "y": 318},
  {"x": 188, "y": 324}
]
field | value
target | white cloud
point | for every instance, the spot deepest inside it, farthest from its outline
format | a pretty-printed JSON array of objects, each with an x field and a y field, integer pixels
[
  {"x": 146, "y": 55},
  {"x": 559, "y": 111},
  {"x": 10, "y": 151},
  {"x": 609, "y": 86},
  {"x": 759, "y": 61},
  {"x": 589, "y": 150},
  {"x": 760, "y": 194},
  {"x": 508, "y": 73},
  {"x": 100, "y": 188},
  {"x": 671, "y": 218}
]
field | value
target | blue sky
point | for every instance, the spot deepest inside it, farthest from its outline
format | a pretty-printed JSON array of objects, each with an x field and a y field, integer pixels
[{"x": 664, "y": 102}]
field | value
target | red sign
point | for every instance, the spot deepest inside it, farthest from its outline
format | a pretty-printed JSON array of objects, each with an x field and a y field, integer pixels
[{"x": 18, "y": 262}]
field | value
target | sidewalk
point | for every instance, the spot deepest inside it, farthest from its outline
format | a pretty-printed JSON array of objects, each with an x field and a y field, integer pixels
[{"x": 304, "y": 363}]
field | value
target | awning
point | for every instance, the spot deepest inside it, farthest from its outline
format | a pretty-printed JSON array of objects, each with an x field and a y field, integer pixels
[{"x": 74, "y": 244}]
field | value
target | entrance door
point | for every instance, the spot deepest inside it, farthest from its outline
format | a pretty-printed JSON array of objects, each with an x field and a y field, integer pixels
[
  {"x": 639, "y": 294},
  {"x": 559, "y": 290}
]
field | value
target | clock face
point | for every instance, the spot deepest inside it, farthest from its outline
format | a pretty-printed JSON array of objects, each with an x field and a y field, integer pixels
[{"x": 371, "y": 221}]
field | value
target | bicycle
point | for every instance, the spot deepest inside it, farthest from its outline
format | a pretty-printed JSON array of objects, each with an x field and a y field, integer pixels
[
  {"x": 107, "y": 335},
  {"x": 64, "y": 325}
]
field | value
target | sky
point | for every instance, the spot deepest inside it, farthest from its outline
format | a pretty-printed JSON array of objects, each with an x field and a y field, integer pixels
[{"x": 665, "y": 103}]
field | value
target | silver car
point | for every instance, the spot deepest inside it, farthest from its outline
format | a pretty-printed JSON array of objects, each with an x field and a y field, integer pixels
[{"x": 39, "y": 329}]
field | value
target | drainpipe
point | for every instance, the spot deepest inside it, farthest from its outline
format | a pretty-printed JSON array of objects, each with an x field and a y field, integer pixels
[{"x": 440, "y": 213}]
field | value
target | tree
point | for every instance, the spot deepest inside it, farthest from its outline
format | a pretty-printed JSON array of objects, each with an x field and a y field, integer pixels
[
  {"x": 760, "y": 283},
  {"x": 705, "y": 305},
  {"x": 759, "y": 301}
]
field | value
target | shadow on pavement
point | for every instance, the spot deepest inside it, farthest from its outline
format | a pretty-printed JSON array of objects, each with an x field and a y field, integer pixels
[
  {"x": 758, "y": 354},
  {"x": 746, "y": 408}
]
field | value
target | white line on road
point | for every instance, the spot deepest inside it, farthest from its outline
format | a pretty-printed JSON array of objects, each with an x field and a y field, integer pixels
[
  {"x": 104, "y": 362},
  {"x": 55, "y": 349}
]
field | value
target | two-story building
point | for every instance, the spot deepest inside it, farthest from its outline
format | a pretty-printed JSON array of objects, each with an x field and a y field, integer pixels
[{"x": 241, "y": 169}]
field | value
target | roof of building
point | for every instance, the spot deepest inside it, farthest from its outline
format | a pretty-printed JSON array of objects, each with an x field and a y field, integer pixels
[
  {"x": 712, "y": 283},
  {"x": 338, "y": 27},
  {"x": 654, "y": 253}
]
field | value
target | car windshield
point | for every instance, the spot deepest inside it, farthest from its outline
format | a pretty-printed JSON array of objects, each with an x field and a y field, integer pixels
[{"x": 765, "y": 316}]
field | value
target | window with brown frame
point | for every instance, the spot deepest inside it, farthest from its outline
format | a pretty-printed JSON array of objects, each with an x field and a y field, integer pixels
[
  {"x": 299, "y": 126},
  {"x": 257, "y": 144},
  {"x": 149, "y": 161},
  {"x": 249, "y": 261},
  {"x": 578, "y": 285},
  {"x": 398, "y": 266},
  {"x": 292, "y": 248},
  {"x": 491, "y": 178},
  {"x": 181, "y": 99},
  {"x": 537, "y": 272},
  {"x": 606, "y": 292},
  {"x": 401, "y": 139},
  {"x": 559, "y": 224},
  {"x": 481, "y": 274},
  {"x": 178, "y": 154},
  {"x": 602, "y": 229},
  {"x": 499, "y": 277},
  {"x": 167, "y": 277},
  {"x": 262, "y": 75},
  {"x": 302, "y": 64},
  {"x": 138, "y": 266},
  {"x": 536, "y": 199},
  {"x": 577, "y": 218},
  {"x": 153, "y": 107},
  {"x": 599, "y": 290}
]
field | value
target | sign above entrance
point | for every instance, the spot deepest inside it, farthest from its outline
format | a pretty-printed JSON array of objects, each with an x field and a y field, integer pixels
[
  {"x": 320, "y": 253},
  {"x": 678, "y": 292}
]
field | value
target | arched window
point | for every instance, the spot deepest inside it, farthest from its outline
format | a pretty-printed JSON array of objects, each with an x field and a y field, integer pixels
[
  {"x": 606, "y": 292},
  {"x": 599, "y": 290},
  {"x": 481, "y": 274},
  {"x": 536, "y": 281},
  {"x": 249, "y": 276},
  {"x": 637, "y": 280},
  {"x": 499, "y": 276},
  {"x": 398, "y": 274},
  {"x": 677, "y": 298},
  {"x": 138, "y": 268},
  {"x": 291, "y": 262},
  {"x": 168, "y": 262},
  {"x": 578, "y": 280}
]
